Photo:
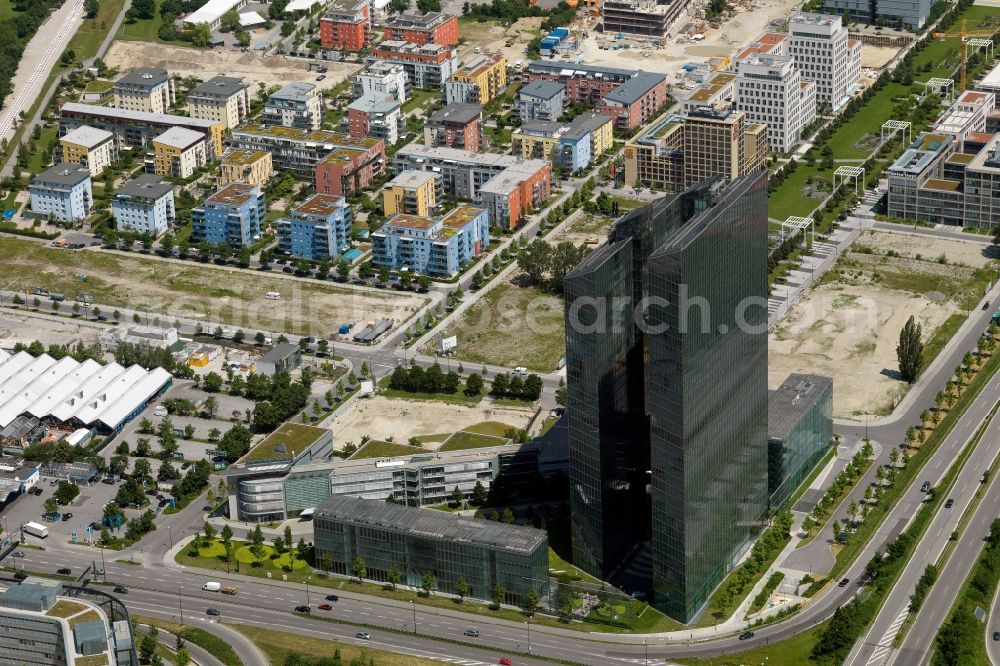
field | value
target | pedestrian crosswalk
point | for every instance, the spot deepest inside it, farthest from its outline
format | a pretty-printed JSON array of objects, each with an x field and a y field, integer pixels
[{"x": 884, "y": 646}]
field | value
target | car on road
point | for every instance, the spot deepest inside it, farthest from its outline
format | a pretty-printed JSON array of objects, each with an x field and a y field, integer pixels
[
  {"x": 925, "y": 487},
  {"x": 363, "y": 635},
  {"x": 321, "y": 77},
  {"x": 18, "y": 553},
  {"x": 332, "y": 597},
  {"x": 949, "y": 503},
  {"x": 98, "y": 571},
  {"x": 20, "y": 575},
  {"x": 472, "y": 631},
  {"x": 121, "y": 589},
  {"x": 746, "y": 635},
  {"x": 986, "y": 305},
  {"x": 213, "y": 611},
  {"x": 843, "y": 582},
  {"x": 36, "y": 491},
  {"x": 65, "y": 571},
  {"x": 996, "y": 635},
  {"x": 325, "y": 607},
  {"x": 505, "y": 661},
  {"x": 303, "y": 609}
]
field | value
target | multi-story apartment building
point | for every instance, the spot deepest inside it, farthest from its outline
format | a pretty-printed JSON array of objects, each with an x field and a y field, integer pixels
[
  {"x": 912, "y": 14},
  {"x": 94, "y": 148},
  {"x": 383, "y": 79},
  {"x": 435, "y": 247},
  {"x": 346, "y": 26},
  {"x": 63, "y": 192},
  {"x": 583, "y": 83},
  {"x": 541, "y": 100},
  {"x": 571, "y": 146},
  {"x": 824, "y": 54},
  {"x": 48, "y": 622},
  {"x": 667, "y": 416},
  {"x": 426, "y": 65},
  {"x": 464, "y": 174},
  {"x": 681, "y": 150},
  {"x": 636, "y": 101},
  {"x": 412, "y": 193},
  {"x": 770, "y": 90},
  {"x": 375, "y": 116},
  {"x": 455, "y": 126},
  {"x": 296, "y": 105},
  {"x": 232, "y": 215},
  {"x": 222, "y": 99},
  {"x": 246, "y": 166},
  {"x": 145, "y": 205},
  {"x": 148, "y": 89},
  {"x": 640, "y": 17},
  {"x": 317, "y": 230},
  {"x": 429, "y": 28},
  {"x": 340, "y": 164},
  {"x": 135, "y": 129},
  {"x": 179, "y": 152},
  {"x": 478, "y": 81},
  {"x": 483, "y": 554}
]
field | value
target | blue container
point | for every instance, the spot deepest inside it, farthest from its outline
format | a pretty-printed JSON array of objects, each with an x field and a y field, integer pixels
[
  {"x": 561, "y": 33},
  {"x": 344, "y": 329}
]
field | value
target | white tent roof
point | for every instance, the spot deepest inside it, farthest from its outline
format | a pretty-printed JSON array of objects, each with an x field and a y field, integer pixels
[
  {"x": 251, "y": 19},
  {"x": 66, "y": 389},
  {"x": 211, "y": 11},
  {"x": 300, "y": 5}
]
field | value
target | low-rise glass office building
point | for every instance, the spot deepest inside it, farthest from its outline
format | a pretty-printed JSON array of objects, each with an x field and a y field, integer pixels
[{"x": 799, "y": 432}]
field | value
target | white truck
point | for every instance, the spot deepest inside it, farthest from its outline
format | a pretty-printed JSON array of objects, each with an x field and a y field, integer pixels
[
  {"x": 36, "y": 529},
  {"x": 212, "y": 587}
]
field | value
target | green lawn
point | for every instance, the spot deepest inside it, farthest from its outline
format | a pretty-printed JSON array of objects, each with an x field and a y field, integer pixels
[
  {"x": 787, "y": 200},
  {"x": 277, "y": 646},
  {"x": 377, "y": 449},
  {"x": 42, "y": 157},
  {"x": 418, "y": 97},
  {"x": 458, "y": 397},
  {"x": 288, "y": 439},
  {"x": 470, "y": 440},
  {"x": 7, "y": 10},
  {"x": 941, "y": 337},
  {"x": 146, "y": 31},
  {"x": 557, "y": 563},
  {"x": 795, "y": 650},
  {"x": 92, "y": 31},
  {"x": 495, "y": 428},
  {"x": 214, "y": 645}
]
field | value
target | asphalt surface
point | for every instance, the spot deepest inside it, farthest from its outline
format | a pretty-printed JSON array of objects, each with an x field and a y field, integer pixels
[
  {"x": 918, "y": 645},
  {"x": 875, "y": 648},
  {"x": 993, "y": 624}
]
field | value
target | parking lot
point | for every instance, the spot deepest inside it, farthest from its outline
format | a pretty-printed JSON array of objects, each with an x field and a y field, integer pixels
[{"x": 87, "y": 507}]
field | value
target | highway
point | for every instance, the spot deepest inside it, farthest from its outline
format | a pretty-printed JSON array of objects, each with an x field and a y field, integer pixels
[
  {"x": 876, "y": 647},
  {"x": 918, "y": 644}
]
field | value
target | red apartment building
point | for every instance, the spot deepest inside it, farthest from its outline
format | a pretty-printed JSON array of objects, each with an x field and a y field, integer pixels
[
  {"x": 455, "y": 126},
  {"x": 511, "y": 195},
  {"x": 350, "y": 168},
  {"x": 429, "y": 28},
  {"x": 346, "y": 26},
  {"x": 636, "y": 101}
]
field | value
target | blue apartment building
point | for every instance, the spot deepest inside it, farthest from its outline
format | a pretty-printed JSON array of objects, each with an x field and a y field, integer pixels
[
  {"x": 233, "y": 215},
  {"x": 317, "y": 230},
  {"x": 63, "y": 192},
  {"x": 437, "y": 247}
]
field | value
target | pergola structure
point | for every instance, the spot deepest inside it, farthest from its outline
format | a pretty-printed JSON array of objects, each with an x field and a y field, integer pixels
[
  {"x": 857, "y": 174},
  {"x": 979, "y": 43},
  {"x": 797, "y": 224},
  {"x": 890, "y": 127},
  {"x": 939, "y": 83}
]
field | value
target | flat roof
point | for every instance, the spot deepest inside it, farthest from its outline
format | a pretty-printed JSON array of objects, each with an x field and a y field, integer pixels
[
  {"x": 411, "y": 221},
  {"x": 412, "y": 178},
  {"x": 64, "y": 174},
  {"x": 461, "y": 216},
  {"x": 211, "y": 11},
  {"x": 573, "y": 70},
  {"x": 542, "y": 89},
  {"x": 223, "y": 86},
  {"x": 147, "y": 185},
  {"x": 789, "y": 402},
  {"x": 145, "y": 76},
  {"x": 137, "y": 116},
  {"x": 233, "y": 194},
  {"x": 457, "y": 112},
  {"x": 425, "y": 523},
  {"x": 374, "y": 103},
  {"x": 288, "y": 441},
  {"x": 87, "y": 136},
  {"x": 942, "y": 185},
  {"x": 244, "y": 157},
  {"x": 992, "y": 79},
  {"x": 632, "y": 90},
  {"x": 417, "y": 21},
  {"x": 335, "y": 139},
  {"x": 296, "y": 91},
  {"x": 317, "y": 204},
  {"x": 180, "y": 137},
  {"x": 479, "y": 64}
]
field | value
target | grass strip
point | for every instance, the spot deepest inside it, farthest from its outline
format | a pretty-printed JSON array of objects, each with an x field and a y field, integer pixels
[{"x": 215, "y": 646}]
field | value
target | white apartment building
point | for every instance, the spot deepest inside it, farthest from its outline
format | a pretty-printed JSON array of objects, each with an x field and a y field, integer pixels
[
  {"x": 296, "y": 105},
  {"x": 223, "y": 99},
  {"x": 145, "y": 204},
  {"x": 770, "y": 90},
  {"x": 826, "y": 56},
  {"x": 381, "y": 79},
  {"x": 148, "y": 89}
]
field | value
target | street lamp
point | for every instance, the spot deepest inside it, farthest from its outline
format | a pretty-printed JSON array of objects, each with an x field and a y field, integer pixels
[
  {"x": 645, "y": 651},
  {"x": 308, "y": 578},
  {"x": 180, "y": 604},
  {"x": 414, "y": 607},
  {"x": 529, "y": 634},
  {"x": 866, "y": 425},
  {"x": 170, "y": 533}
]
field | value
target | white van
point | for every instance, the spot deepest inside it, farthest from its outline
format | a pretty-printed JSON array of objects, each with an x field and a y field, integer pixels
[
  {"x": 159, "y": 410},
  {"x": 272, "y": 295},
  {"x": 212, "y": 587},
  {"x": 520, "y": 372}
]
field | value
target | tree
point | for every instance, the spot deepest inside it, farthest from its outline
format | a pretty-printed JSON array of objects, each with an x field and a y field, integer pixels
[
  {"x": 474, "y": 385},
  {"x": 910, "y": 350},
  {"x": 51, "y": 506},
  {"x": 461, "y": 587},
  {"x": 200, "y": 34},
  {"x": 531, "y": 603},
  {"x": 230, "y": 20},
  {"x": 479, "y": 493},
  {"x": 836, "y": 530},
  {"x": 424, "y": 6},
  {"x": 212, "y": 382},
  {"x": 144, "y": 9},
  {"x": 457, "y": 496},
  {"x": 427, "y": 583},
  {"x": 508, "y": 516},
  {"x": 182, "y": 658},
  {"x": 257, "y": 544},
  {"x": 91, "y": 7},
  {"x": 498, "y": 594},
  {"x": 147, "y": 646},
  {"x": 359, "y": 569},
  {"x": 393, "y": 576}
]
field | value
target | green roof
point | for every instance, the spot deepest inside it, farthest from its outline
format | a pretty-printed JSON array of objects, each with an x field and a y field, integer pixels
[{"x": 289, "y": 440}]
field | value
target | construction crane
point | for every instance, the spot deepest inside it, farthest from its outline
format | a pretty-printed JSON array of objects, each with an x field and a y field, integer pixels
[{"x": 965, "y": 33}]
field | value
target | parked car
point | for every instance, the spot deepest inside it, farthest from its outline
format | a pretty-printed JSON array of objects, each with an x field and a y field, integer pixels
[
  {"x": 746, "y": 635},
  {"x": 363, "y": 635}
]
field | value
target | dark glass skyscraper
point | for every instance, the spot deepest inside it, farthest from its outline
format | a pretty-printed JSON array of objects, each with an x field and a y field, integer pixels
[{"x": 666, "y": 355}]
